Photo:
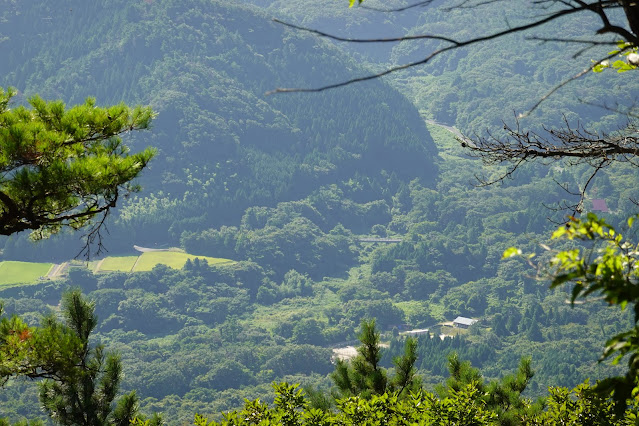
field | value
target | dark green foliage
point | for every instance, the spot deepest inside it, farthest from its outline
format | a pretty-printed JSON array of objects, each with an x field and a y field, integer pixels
[
  {"x": 308, "y": 330},
  {"x": 226, "y": 374},
  {"x": 290, "y": 184},
  {"x": 503, "y": 397},
  {"x": 82, "y": 380},
  {"x": 83, "y": 278},
  {"x": 225, "y": 148},
  {"x": 534, "y": 332},
  {"x": 364, "y": 376},
  {"x": 300, "y": 359},
  {"x": 85, "y": 394}
]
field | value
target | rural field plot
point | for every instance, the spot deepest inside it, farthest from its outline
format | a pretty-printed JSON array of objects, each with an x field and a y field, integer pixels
[
  {"x": 14, "y": 272},
  {"x": 117, "y": 263},
  {"x": 175, "y": 260}
]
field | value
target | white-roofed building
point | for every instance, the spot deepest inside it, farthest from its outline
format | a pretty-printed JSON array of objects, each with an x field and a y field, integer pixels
[{"x": 463, "y": 322}]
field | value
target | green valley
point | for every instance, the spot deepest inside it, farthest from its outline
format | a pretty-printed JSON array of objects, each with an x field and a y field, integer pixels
[{"x": 294, "y": 219}]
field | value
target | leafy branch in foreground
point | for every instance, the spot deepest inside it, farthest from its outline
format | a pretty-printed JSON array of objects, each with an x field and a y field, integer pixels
[
  {"x": 608, "y": 267},
  {"x": 64, "y": 166},
  {"x": 364, "y": 376},
  {"x": 462, "y": 407}
]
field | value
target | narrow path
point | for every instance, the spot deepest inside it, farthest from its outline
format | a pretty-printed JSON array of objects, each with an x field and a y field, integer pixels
[
  {"x": 379, "y": 240},
  {"x": 451, "y": 129},
  {"x": 138, "y": 259},
  {"x": 56, "y": 270},
  {"x": 98, "y": 266},
  {"x": 52, "y": 270}
]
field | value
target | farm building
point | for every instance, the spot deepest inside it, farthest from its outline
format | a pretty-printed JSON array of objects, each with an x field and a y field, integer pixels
[{"x": 463, "y": 322}]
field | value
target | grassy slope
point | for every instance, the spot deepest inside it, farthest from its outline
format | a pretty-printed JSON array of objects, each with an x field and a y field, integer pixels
[
  {"x": 172, "y": 259},
  {"x": 14, "y": 272},
  {"x": 118, "y": 263}
]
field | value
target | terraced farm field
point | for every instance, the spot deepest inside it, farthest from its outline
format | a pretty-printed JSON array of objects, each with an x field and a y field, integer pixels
[
  {"x": 117, "y": 263},
  {"x": 14, "y": 272},
  {"x": 172, "y": 259}
]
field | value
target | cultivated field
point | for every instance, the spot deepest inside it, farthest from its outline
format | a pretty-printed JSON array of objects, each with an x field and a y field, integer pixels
[
  {"x": 14, "y": 272},
  {"x": 116, "y": 263},
  {"x": 172, "y": 259}
]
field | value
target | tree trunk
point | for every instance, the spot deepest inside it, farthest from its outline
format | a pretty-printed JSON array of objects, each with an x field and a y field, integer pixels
[{"x": 631, "y": 9}]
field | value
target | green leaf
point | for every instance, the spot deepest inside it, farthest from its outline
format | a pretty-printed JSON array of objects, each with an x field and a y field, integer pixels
[{"x": 511, "y": 252}]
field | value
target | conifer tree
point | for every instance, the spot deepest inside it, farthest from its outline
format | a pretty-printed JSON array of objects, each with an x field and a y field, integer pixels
[
  {"x": 503, "y": 397},
  {"x": 86, "y": 393},
  {"x": 364, "y": 376},
  {"x": 64, "y": 166},
  {"x": 82, "y": 381}
]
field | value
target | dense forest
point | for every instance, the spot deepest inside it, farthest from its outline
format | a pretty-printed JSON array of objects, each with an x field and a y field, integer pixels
[{"x": 300, "y": 190}]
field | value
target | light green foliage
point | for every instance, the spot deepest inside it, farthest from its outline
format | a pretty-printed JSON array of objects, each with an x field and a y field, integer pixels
[
  {"x": 118, "y": 263},
  {"x": 625, "y": 49},
  {"x": 461, "y": 408},
  {"x": 465, "y": 406},
  {"x": 580, "y": 406},
  {"x": 503, "y": 397},
  {"x": 176, "y": 260},
  {"x": 61, "y": 167},
  {"x": 609, "y": 269}
]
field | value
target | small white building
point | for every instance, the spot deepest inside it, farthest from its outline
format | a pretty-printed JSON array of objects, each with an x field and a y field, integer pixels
[{"x": 463, "y": 322}]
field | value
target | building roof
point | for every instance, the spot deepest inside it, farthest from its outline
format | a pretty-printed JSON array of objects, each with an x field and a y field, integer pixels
[
  {"x": 464, "y": 321},
  {"x": 599, "y": 204}
]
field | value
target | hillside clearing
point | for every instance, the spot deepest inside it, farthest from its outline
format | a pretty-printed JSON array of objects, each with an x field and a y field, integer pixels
[
  {"x": 15, "y": 272},
  {"x": 175, "y": 260}
]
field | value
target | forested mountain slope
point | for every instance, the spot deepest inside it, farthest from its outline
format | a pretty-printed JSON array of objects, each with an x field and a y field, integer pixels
[
  {"x": 286, "y": 185},
  {"x": 478, "y": 86},
  {"x": 204, "y": 66}
]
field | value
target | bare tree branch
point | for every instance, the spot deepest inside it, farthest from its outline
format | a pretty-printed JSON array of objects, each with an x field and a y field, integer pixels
[
  {"x": 571, "y": 145},
  {"x": 577, "y": 145},
  {"x": 365, "y": 40},
  {"x": 454, "y": 45},
  {"x": 571, "y": 7}
]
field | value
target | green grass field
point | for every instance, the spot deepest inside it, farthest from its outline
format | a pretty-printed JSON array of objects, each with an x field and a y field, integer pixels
[
  {"x": 117, "y": 263},
  {"x": 172, "y": 259},
  {"x": 13, "y": 272}
]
